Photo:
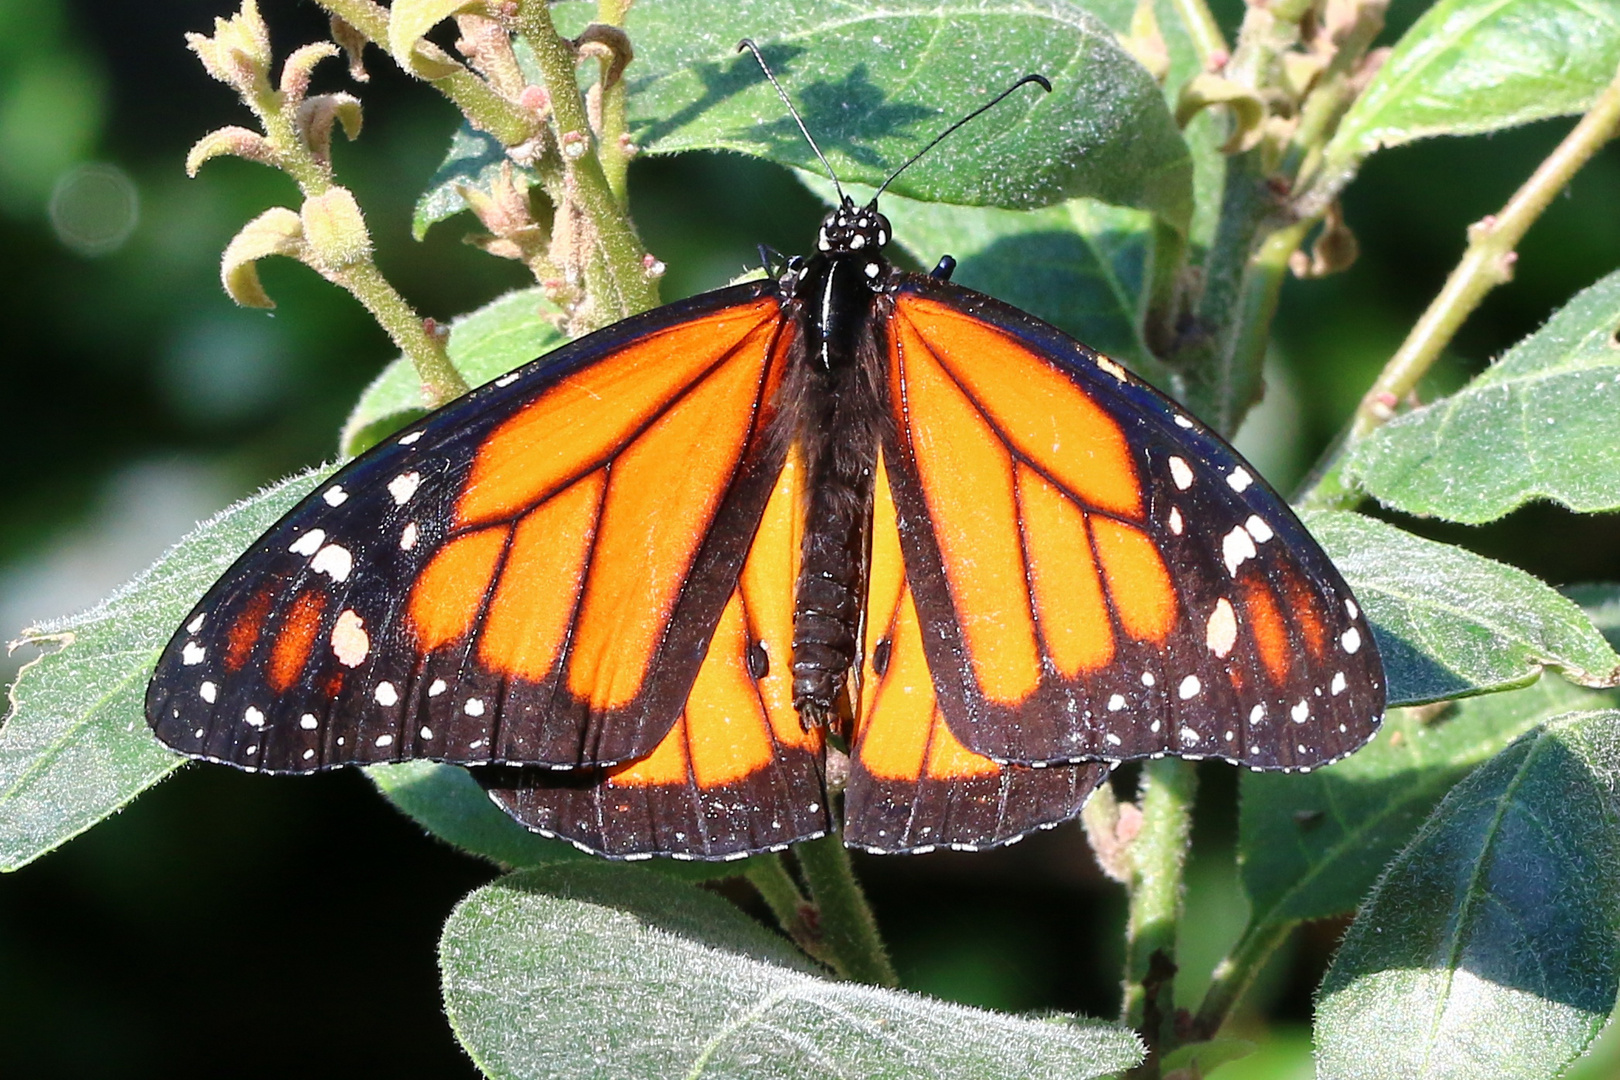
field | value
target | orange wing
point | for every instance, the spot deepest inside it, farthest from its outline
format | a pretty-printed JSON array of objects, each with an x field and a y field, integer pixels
[
  {"x": 738, "y": 773},
  {"x": 529, "y": 575},
  {"x": 913, "y": 786},
  {"x": 1097, "y": 575}
]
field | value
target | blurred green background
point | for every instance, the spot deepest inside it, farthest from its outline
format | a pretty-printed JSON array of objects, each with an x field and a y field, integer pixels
[{"x": 234, "y": 925}]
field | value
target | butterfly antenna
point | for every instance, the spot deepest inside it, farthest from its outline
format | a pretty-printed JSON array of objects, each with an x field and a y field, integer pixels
[
  {"x": 941, "y": 137},
  {"x": 748, "y": 43}
]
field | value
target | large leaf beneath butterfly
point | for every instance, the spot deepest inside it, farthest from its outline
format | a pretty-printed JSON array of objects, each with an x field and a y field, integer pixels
[
  {"x": 1450, "y": 623},
  {"x": 1488, "y": 948},
  {"x": 599, "y": 970},
  {"x": 1542, "y": 422},
  {"x": 75, "y": 746},
  {"x": 875, "y": 84},
  {"x": 1313, "y": 846},
  {"x": 504, "y": 334},
  {"x": 1472, "y": 66}
]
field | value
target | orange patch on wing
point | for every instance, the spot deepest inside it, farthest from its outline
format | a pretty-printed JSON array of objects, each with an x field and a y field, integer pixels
[
  {"x": 583, "y": 420},
  {"x": 1038, "y": 409},
  {"x": 534, "y": 602},
  {"x": 967, "y": 480},
  {"x": 1069, "y": 599},
  {"x": 728, "y": 733},
  {"x": 1138, "y": 581},
  {"x": 1302, "y": 606},
  {"x": 450, "y": 590},
  {"x": 663, "y": 492},
  {"x": 886, "y": 577},
  {"x": 296, "y": 640},
  {"x": 892, "y": 743},
  {"x": 769, "y": 577},
  {"x": 244, "y": 632},
  {"x": 1266, "y": 623},
  {"x": 948, "y": 759},
  {"x": 667, "y": 764}
]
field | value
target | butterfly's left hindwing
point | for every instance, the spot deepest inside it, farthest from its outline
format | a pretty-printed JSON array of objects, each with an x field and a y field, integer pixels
[
  {"x": 530, "y": 574},
  {"x": 1097, "y": 575},
  {"x": 737, "y": 773}
]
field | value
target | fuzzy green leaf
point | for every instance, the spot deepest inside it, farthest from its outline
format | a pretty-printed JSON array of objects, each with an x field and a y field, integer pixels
[
  {"x": 505, "y": 333},
  {"x": 1488, "y": 949},
  {"x": 1472, "y": 66},
  {"x": 1450, "y": 623},
  {"x": 1541, "y": 422},
  {"x": 76, "y": 747},
  {"x": 875, "y": 84},
  {"x": 447, "y": 802},
  {"x": 600, "y": 971},
  {"x": 1312, "y": 846}
]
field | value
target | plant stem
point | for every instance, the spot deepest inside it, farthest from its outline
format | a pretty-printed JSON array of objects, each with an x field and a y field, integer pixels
[
  {"x": 441, "y": 382},
  {"x": 615, "y": 275},
  {"x": 1235, "y": 973},
  {"x": 1203, "y": 29},
  {"x": 1158, "y": 857},
  {"x": 484, "y": 108},
  {"x": 781, "y": 894},
  {"x": 1487, "y": 263},
  {"x": 847, "y": 930}
]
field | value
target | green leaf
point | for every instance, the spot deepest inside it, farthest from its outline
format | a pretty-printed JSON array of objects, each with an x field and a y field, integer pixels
[
  {"x": 1488, "y": 949},
  {"x": 447, "y": 802},
  {"x": 1541, "y": 422},
  {"x": 598, "y": 971},
  {"x": 1450, "y": 623},
  {"x": 474, "y": 160},
  {"x": 875, "y": 84},
  {"x": 505, "y": 333},
  {"x": 76, "y": 747},
  {"x": 1601, "y": 601},
  {"x": 1079, "y": 265},
  {"x": 1472, "y": 66},
  {"x": 1311, "y": 846}
]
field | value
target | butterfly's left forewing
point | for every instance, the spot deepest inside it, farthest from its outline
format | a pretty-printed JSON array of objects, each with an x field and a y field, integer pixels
[
  {"x": 531, "y": 574},
  {"x": 1097, "y": 575}
]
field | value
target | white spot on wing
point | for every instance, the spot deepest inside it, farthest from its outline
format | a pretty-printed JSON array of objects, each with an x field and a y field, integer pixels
[
  {"x": 1257, "y": 714},
  {"x": 1236, "y": 546},
  {"x": 208, "y": 692},
  {"x": 386, "y": 694},
  {"x": 1221, "y": 633},
  {"x": 1349, "y": 607},
  {"x": 197, "y": 624},
  {"x": 1257, "y": 528},
  {"x": 1181, "y": 473},
  {"x": 1189, "y": 737},
  {"x": 308, "y": 722},
  {"x": 308, "y": 754},
  {"x": 309, "y": 543},
  {"x": 1112, "y": 368},
  {"x": 507, "y": 380},
  {"x": 192, "y": 653},
  {"x": 1112, "y": 739},
  {"x": 427, "y": 733},
  {"x": 474, "y": 707},
  {"x": 1301, "y": 711},
  {"x": 1338, "y": 683},
  {"x": 1351, "y": 640},
  {"x": 350, "y": 642},
  {"x": 1175, "y": 520},
  {"x": 1148, "y": 679},
  {"x": 333, "y": 560},
  {"x": 335, "y": 496},
  {"x": 439, "y": 686},
  {"x": 1182, "y": 421},
  {"x": 408, "y": 439},
  {"x": 1239, "y": 479},
  {"x": 1189, "y": 687},
  {"x": 407, "y": 538},
  {"x": 403, "y": 486},
  {"x": 253, "y": 717},
  {"x": 1116, "y": 703},
  {"x": 385, "y": 740}
]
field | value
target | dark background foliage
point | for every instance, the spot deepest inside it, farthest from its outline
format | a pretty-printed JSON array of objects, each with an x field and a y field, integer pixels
[{"x": 233, "y": 924}]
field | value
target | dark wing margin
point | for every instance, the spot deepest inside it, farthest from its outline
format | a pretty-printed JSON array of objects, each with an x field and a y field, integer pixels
[
  {"x": 436, "y": 597},
  {"x": 1098, "y": 575}
]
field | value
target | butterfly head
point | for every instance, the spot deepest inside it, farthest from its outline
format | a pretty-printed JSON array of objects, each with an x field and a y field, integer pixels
[{"x": 851, "y": 229}]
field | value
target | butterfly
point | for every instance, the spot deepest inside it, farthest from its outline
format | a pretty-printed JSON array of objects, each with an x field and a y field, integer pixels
[{"x": 668, "y": 588}]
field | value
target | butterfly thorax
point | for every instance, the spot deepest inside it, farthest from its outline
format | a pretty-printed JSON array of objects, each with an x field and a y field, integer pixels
[{"x": 834, "y": 409}]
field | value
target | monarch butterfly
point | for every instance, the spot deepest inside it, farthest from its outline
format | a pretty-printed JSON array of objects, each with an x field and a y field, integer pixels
[{"x": 638, "y": 584}]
